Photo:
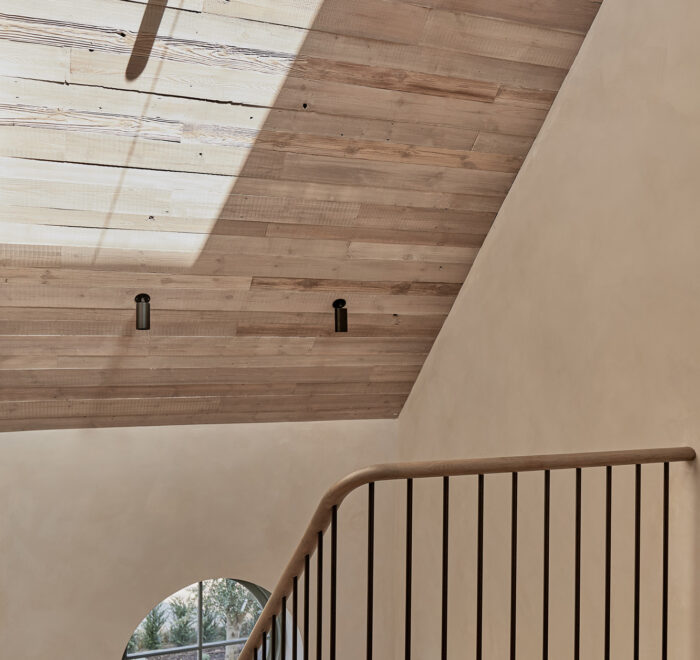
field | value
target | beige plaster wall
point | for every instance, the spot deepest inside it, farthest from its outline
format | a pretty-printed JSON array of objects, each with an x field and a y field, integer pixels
[
  {"x": 579, "y": 329},
  {"x": 99, "y": 525}
]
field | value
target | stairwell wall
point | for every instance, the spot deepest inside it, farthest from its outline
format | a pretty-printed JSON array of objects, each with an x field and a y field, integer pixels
[
  {"x": 99, "y": 525},
  {"x": 576, "y": 330}
]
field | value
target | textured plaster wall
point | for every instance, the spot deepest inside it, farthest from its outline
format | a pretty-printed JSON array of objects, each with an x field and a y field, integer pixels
[
  {"x": 99, "y": 525},
  {"x": 579, "y": 329}
]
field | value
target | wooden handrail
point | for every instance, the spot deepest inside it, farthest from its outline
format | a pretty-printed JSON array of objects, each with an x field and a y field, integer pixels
[{"x": 443, "y": 468}]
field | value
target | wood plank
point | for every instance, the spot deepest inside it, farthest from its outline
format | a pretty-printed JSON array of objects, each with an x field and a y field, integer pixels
[
  {"x": 192, "y": 405},
  {"x": 574, "y": 15},
  {"x": 29, "y": 60},
  {"x": 299, "y": 13},
  {"x": 101, "y": 123},
  {"x": 146, "y": 345},
  {"x": 46, "y": 143},
  {"x": 132, "y": 221},
  {"x": 389, "y": 325},
  {"x": 77, "y": 278},
  {"x": 286, "y": 326},
  {"x": 501, "y": 39},
  {"x": 392, "y": 288},
  {"x": 259, "y": 300},
  {"x": 370, "y": 235},
  {"x": 187, "y": 362},
  {"x": 184, "y": 5},
  {"x": 153, "y": 192},
  {"x": 377, "y": 19},
  {"x": 127, "y": 199},
  {"x": 253, "y": 186},
  {"x": 40, "y": 256},
  {"x": 500, "y": 143},
  {"x": 207, "y": 418},
  {"x": 367, "y": 102},
  {"x": 177, "y": 78},
  {"x": 104, "y": 238},
  {"x": 438, "y": 253},
  {"x": 98, "y": 100},
  {"x": 425, "y": 219},
  {"x": 298, "y": 211},
  {"x": 59, "y": 321},
  {"x": 386, "y": 152},
  {"x": 125, "y": 377},
  {"x": 202, "y": 390},
  {"x": 305, "y": 121},
  {"x": 121, "y": 151},
  {"x": 430, "y": 60},
  {"x": 343, "y": 171},
  {"x": 109, "y": 177},
  {"x": 400, "y": 80},
  {"x": 533, "y": 98}
]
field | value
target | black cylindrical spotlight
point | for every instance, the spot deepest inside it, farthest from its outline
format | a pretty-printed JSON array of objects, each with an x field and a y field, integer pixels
[
  {"x": 341, "y": 315},
  {"x": 143, "y": 311}
]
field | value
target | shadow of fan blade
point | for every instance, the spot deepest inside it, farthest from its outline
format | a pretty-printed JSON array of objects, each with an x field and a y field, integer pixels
[{"x": 145, "y": 38}]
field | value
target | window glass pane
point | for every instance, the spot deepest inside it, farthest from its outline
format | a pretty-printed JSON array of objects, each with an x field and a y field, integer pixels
[
  {"x": 169, "y": 624},
  {"x": 230, "y": 610}
]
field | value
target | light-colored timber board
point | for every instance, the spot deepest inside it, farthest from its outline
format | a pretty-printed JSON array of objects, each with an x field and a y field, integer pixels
[{"x": 269, "y": 157}]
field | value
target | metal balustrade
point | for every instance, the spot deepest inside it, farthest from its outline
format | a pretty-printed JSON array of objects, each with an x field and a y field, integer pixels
[{"x": 326, "y": 516}]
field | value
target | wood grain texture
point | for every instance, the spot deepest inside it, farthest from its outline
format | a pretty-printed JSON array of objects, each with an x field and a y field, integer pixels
[{"x": 267, "y": 158}]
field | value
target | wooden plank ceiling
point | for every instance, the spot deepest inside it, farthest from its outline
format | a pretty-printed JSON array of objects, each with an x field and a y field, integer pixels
[{"x": 273, "y": 155}]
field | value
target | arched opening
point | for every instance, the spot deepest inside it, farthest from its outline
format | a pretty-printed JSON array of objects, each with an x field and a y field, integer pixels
[{"x": 207, "y": 620}]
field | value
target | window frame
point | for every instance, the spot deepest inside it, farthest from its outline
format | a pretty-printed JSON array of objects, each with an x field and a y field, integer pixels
[{"x": 201, "y": 645}]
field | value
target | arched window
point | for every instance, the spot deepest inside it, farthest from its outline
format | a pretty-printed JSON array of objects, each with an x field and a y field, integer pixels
[{"x": 209, "y": 620}]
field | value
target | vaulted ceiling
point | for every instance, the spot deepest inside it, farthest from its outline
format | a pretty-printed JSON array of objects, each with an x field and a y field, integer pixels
[{"x": 246, "y": 162}]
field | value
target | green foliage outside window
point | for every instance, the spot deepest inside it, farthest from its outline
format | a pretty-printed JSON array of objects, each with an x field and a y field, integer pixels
[{"x": 229, "y": 611}]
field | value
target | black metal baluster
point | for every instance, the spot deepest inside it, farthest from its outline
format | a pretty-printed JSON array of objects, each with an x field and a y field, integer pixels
[
  {"x": 545, "y": 570},
  {"x": 637, "y": 552},
  {"x": 577, "y": 571},
  {"x": 200, "y": 610},
  {"x": 445, "y": 540},
  {"x": 307, "y": 641},
  {"x": 283, "y": 629},
  {"x": 479, "y": 567},
  {"x": 319, "y": 597},
  {"x": 295, "y": 616},
  {"x": 255, "y": 653},
  {"x": 513, "y": 565},
  {"x": 608, "y": 554},
  {"x": 334, "y": 569},
  {"x": 664, "y": 597},
  {"x": 264, "y": 646},
  {"x": 370, "y": 571},
  {"x": 409, "y": 565},
  {"x": 273, "y": 637}
]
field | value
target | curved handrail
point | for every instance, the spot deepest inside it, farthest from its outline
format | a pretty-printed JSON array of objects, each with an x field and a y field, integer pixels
[{"x": 443, "y": 468}]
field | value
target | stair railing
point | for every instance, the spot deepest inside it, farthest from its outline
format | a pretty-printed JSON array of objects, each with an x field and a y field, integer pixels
[{"x": 272, "y": 623}]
